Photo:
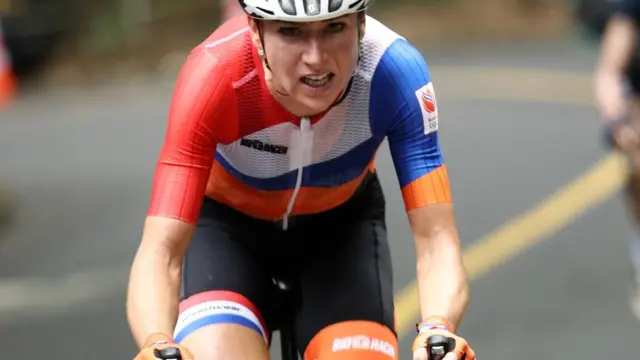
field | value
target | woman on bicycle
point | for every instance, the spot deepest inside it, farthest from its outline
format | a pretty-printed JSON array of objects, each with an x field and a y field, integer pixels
[{"x": 267, "y": 169}]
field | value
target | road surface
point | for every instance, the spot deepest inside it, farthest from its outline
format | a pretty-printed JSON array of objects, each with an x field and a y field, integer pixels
[{"x": 79, "y": 165}]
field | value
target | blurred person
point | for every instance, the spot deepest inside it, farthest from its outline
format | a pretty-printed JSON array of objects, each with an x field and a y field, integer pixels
[
  {"x": 267, "y": 170},
  {"x": 8, "y": 82},
  {"x": 617, "y": 90}
]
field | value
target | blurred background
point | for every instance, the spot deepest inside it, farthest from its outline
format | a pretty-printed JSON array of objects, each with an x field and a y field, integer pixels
[{"x": 85, "y": 87}]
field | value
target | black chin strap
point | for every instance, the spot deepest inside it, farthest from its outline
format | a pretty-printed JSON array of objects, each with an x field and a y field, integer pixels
[{"x": 264, "y": 52}]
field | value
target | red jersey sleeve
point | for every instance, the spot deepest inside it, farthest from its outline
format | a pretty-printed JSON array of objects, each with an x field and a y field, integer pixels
[{"x": 201, "y": 97}]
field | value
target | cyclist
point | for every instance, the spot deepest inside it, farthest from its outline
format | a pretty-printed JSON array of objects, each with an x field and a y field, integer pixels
[
  {"x": 619, "y": 61},
  {"x": 267, "y": 168}
]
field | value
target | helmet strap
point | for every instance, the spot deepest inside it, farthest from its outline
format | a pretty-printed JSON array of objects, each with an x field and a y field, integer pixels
[
  {"x": 263, "y": 53},
  {"x": 359, "y": 53}
]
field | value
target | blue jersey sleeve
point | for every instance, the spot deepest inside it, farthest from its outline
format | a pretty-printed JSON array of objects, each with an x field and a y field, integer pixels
[{"x": 404, "y": 105}]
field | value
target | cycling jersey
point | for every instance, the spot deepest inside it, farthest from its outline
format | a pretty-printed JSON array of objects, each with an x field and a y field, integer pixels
[{"x": 229, "y": 139}]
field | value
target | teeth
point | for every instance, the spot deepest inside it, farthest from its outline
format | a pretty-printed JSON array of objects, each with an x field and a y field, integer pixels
[
  {"x": 316, "y": 81},
  {"x": 320, "y": 77}
]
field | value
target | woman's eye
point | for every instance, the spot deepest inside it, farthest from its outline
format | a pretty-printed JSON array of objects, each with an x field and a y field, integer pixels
[
  {"x": 289, "y": 31},
  {"x": 336, "y": 27}
]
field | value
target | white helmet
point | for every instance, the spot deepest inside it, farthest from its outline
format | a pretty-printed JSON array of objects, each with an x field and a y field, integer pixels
[{"x": 302, "y": 10}]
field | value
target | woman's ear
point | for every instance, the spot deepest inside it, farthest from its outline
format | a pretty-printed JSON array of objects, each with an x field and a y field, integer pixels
[{"x": 254, "y": 27}]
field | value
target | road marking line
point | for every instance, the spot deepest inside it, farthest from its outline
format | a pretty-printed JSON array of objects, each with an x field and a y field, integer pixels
[
  {"x": 526, "y": 230},
  {"x": 543, "y": 220},
  {"x": 35, "y": 297}
]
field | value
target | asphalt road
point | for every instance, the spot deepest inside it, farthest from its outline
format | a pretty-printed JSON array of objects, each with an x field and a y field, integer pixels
[{"x": 79, "y": 165}]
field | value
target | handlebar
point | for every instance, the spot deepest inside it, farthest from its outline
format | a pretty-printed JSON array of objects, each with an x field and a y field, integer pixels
[
  {"x": 170, "y": 353},
  {"x": 438, "y": 346}
]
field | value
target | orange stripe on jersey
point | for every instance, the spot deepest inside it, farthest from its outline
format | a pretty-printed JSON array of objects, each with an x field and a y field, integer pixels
[
  {"x": 262, "y": 204},
  {"x": 315, "y": 199},
  {"x": 272, "y": 205},
  {"x": 431, "y": 188},
  {"x": 353, "y": 340}
]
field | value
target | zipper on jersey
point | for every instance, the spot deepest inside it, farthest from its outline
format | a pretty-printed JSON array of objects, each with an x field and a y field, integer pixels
[{"x": 301, "y": 157}]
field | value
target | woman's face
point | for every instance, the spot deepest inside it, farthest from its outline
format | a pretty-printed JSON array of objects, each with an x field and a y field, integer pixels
[{"x": 310, "y": 62}]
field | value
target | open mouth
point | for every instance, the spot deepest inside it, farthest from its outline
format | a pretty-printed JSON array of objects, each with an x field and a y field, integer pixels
[{"x": 317, "y": 81}]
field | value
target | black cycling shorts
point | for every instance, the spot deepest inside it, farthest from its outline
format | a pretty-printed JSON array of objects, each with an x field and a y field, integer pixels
[{"x": 340, "y": 260}]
